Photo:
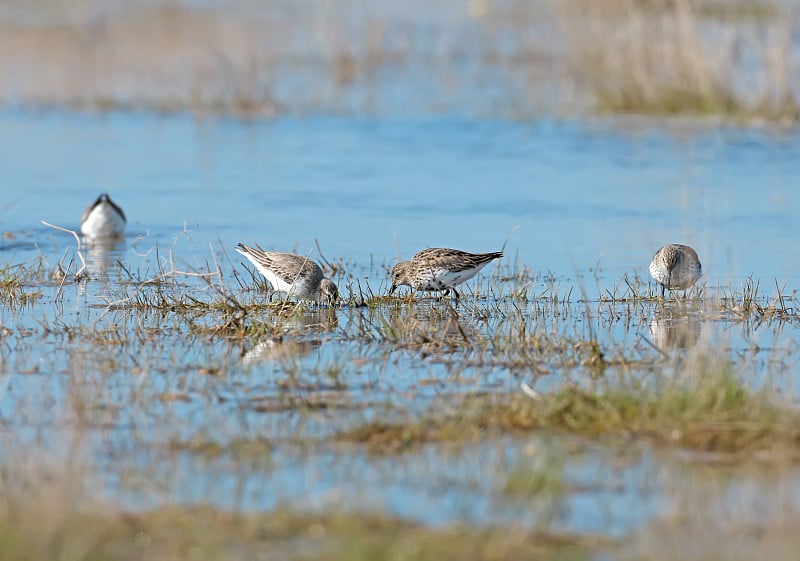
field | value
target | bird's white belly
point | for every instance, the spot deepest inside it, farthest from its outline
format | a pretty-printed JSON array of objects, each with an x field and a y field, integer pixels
[
  {"x": 298, "y": 289},
  {"x": 103, "y": 222},
  {"x": 439, "y": 279},
  {"x": 682, "y": 277}
]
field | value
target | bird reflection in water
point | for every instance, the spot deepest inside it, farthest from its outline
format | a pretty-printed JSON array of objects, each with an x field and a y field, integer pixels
[
  {"x": 291, "y": 344},
  {"x": 675, "y": 328},
  {"x": 101, "y": 255}
]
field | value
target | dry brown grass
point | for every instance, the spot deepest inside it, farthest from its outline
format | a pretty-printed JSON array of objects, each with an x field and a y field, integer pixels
[
  {"x": 727, "y": 58},
  {"x": 208, "y": 534},
  {"x": 682, "y": 57},
  {"x": 45, "y": 514}
]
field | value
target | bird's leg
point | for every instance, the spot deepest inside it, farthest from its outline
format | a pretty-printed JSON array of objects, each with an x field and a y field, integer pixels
[
  {"x": 663, "y": 291},
  {"x": 456, "y": 293},
  {"x": 669, "y": 284}
]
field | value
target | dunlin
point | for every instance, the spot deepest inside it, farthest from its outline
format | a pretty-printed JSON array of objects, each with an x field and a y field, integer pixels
[
  {"x": 675, "y": 267},
  {"x": 440, "y": 269},
  {"x": 103, "y": 219},
  {"x": 290, "y": 274}
]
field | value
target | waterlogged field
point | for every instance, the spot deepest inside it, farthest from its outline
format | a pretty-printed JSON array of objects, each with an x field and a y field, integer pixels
[{"x": 162, "y": 406}]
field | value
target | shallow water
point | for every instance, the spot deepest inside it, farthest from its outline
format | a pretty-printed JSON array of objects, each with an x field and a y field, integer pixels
[
  {"x": 563, "y": 196},
  {"x": 581, "y": 203}
]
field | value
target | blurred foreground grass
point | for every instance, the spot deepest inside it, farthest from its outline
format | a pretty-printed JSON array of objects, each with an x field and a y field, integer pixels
[{"x": 43, "y": 530}]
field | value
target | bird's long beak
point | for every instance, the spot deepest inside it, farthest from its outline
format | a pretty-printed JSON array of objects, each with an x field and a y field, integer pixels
[{"x": 391, "y": 290}]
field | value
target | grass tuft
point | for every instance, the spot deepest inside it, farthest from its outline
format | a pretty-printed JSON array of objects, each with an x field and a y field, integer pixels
[
  {"x": 708, "y": 409},
  {"x": 684, "y": 57}
]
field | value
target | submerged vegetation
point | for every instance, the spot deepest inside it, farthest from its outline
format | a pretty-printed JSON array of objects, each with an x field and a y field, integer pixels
[
  {"x": 506, "y": 388},
  {"x": 176, "y": 411}
]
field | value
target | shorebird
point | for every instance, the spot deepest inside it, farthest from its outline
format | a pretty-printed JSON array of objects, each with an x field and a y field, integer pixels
[
  {"x": 291, "y": 274},
  {"x": 440, "y": 269},
  {"x": 675, "y": 267},
  {"x": 103, "y": 219}
]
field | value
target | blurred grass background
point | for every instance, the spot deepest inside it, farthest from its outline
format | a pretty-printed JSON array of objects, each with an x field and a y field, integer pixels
[{"x": 733, "y": 59}]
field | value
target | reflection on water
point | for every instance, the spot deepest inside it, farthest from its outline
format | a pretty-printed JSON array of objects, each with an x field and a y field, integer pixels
[
  {"x": 567, "y": 197},
  {"x": 464, "y": 183},
  {"x": 278, "y": 349},
  {"x": 316, "y": 320},
  {"x": 291, "y": 343},
  {"x": 101, "y": 254},
  {"x": 676, "y": 325},
  {"x": 12, "y": 242},
  {"x": 429, "y": 325}
]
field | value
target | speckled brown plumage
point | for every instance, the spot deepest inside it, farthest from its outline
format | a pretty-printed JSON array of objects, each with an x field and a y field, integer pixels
[{"x": 440, "y": 269}]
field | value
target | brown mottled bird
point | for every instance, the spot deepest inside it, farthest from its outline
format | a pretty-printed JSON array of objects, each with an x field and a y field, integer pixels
[
  {"x": 440, "y": 269},
  {"x": 675, "y": 267}
]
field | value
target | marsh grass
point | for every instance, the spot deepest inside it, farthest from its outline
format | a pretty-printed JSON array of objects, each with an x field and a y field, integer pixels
[
  {"x": 706, "y": 409},
  {"x": 730, "y": 60},
  {"x": 205, "y": 533},
  {"x": 186, "y": 366},
  {"x": 250, "y": 450},
  {"x": 719, "y": 9},
  {"x": 17, "y": 284},
  {"x": 749, "y": 302}
]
